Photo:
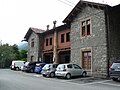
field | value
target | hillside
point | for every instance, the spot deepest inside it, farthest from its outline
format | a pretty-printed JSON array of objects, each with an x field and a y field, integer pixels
[{"x": 23, "y": 45}]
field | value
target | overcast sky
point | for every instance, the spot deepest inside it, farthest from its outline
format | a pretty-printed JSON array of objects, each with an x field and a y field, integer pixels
[{"x": 16, "y": 16}]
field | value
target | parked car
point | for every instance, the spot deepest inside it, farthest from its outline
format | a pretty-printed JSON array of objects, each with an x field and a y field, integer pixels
[
  {"x": 16, "y": 65},
  {"x": 69, "y": 70},
  {"x": 49, "y": 70},
  {"x": 38, "y": 67},
  {"x": 30, "y": 66},
  {"x": 114, "y": 70}
]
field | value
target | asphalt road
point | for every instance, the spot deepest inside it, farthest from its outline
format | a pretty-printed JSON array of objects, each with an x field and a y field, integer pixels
[{"x": 17, "y": 80}]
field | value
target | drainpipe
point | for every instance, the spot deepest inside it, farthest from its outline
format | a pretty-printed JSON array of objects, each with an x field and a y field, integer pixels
[
  {"x": 108, "y": 37},
  {"x": 40, "y": 58},
  {"x": 55, "y": 56}
]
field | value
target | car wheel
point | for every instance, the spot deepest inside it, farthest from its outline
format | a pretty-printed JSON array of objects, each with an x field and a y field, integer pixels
[
  {"x": 31, "y": 70},
  {"x": 44, "y": 75},
  {"x": 17, "y": 68},
  {"x": 84, "y": 74},
  {"x": 52, "y": 75},
  {"x": 114, "y": 79},
  {"x": 68, "y": 76}
]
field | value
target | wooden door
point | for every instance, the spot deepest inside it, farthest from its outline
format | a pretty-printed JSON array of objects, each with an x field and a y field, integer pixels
[{"x": 86, "y": 59}]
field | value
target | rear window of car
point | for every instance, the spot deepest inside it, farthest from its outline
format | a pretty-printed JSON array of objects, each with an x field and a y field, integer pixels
[
  {"x": 61, "y": 66},
  {"x": 26, "y": 63},
  {"x": 32, "y": 63},
  {"x": 115, "y": 65}
]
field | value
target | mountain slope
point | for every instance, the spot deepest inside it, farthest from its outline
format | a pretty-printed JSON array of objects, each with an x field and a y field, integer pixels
[{"x": 23, "y": 45}]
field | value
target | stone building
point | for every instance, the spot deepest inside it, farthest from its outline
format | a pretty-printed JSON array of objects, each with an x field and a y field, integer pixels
[
  {"x": 50, "y": 46},
  {"x": 33, "y": 37},
  {"x": 95, "y": 36}
]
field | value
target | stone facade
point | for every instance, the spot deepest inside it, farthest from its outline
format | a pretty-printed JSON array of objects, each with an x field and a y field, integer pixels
[
  {"x": 96, "y": 41},
  {"x": 33, "y": 51},
  {"x": 96, "y": 50},
  {"x": 34, "y": 39}
]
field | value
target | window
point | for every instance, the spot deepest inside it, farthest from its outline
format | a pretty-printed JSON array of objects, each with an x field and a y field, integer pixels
[
  {"x": 68, "y": 37},
  {"x": 76, "y": 66},
  {"x": 50, "y": 41},
  {"x": 46, "y": 42},
  {"x": 62, "y": 38},
  {"x": 32, "y": 43},
  {"x": 86, "y": 27},
  {"x": 69, "y": 66}
]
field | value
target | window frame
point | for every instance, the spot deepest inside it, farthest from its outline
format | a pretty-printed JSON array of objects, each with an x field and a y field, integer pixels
[
  {"x": 86, "y": 58},
  {"x": 50, "y": 41},
  {"x": 32, "y": 42},
  {"x": 84, "y": 25},
  {"x": 63, "y": 38},
  {"x": 67, "y": 36},
  {"x": 46, "y": 41}
]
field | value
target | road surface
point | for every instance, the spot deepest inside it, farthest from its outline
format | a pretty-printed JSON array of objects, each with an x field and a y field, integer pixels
[{"x": 17, "y": 80}]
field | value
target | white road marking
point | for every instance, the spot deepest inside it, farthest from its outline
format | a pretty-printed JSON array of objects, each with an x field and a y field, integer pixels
[
  {"x": 96, "y": 82},
  {"x": 111, "y": 84},
  {"x": 37, "y": 75},
  {"x": 104, "y": 83}
]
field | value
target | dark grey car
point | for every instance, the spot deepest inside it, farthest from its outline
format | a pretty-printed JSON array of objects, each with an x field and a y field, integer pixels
[
  {"x": 49, "y": 70},
  {"x": 115, "y": 71}
]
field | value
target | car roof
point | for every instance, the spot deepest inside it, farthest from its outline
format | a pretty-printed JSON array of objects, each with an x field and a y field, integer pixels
[
  {"x": 66, "y": 64},
  {"x": 51, "y": 64},
  {"x": 118, "y": 61}
]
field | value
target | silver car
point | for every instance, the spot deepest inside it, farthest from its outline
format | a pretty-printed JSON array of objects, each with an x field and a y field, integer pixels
[
  {"x": 69, "y": 70},
  {"x": 49, "y": 70}
]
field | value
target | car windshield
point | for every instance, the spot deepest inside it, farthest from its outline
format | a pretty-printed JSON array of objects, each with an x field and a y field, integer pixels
[{"x": 116, "y": 65}]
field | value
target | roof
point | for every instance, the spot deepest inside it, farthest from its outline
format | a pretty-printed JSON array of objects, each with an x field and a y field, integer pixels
[
  {"x": 61, "y": 27},
  {"x": 30, "y": 30},
  {"x": 36, "y": 30},
  {"x": 40, "y": 31},
  {"x": 80, "y": 5}
]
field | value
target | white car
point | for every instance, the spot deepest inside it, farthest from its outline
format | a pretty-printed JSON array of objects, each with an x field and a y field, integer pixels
[
  {"x": 69, "y": 70},
  {"x": 16, "y": 65}
]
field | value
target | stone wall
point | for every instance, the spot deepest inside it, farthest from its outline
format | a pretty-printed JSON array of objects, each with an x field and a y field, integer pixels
[
  {"x": 96, "y": 41},
  {"x": 33, "y": 51}
]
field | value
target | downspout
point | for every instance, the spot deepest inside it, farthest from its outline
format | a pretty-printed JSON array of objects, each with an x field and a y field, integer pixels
[
  {"x": 108, "y": 37},
  {"x": 40, "y": 48},
  {"x": 55, "y": 55}
]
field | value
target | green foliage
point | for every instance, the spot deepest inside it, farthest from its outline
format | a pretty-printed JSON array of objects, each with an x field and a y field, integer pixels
[
  {"x": 9, "y": 53},
  {"x": 23, "y": 55}
]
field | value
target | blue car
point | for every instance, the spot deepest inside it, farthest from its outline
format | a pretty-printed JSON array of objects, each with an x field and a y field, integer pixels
[{"x": 38, "y": 67}]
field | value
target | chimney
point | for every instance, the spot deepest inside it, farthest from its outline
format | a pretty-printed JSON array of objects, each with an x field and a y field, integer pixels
[
  {"x": 54, "y": 22},
  {"x": 47, "y": 27}
]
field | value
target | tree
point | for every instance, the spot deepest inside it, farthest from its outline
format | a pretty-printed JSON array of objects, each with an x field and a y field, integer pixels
[
  {"x": 9, "y": 53},
  {"x": 6, "y": 55},
  {"x": 23, "y": 54},
  {"x": 16, "y": 52}
]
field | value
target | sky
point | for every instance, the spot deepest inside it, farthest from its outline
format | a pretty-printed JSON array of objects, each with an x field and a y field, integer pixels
[{"x": 17, "y": 16}]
